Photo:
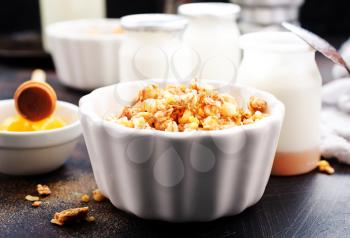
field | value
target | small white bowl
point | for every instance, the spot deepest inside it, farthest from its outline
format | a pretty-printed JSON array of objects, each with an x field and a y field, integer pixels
[
  {"x": 85, "y": 52},
  {"x": 28, "y": 153},
  {"x": 179, "y": 176}
]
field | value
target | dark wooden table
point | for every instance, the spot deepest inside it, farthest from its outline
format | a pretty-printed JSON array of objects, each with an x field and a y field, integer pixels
[{"x": 312, "y": 205}]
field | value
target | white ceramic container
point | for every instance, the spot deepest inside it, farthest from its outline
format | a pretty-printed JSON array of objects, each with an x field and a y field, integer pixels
[
  {"x": 284, "y": 65},
  {"x": 213, "y": 34},
  {"x": 152, "y": 48},
  {"x": 86, "y": 52},
  {"x": 29, "y": 153},
  {"x": 178, "y": 176}
]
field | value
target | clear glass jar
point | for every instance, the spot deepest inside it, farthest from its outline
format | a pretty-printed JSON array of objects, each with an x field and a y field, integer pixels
[
  {"x": 281, "y": 63},
  {"x": 213, "y": 33},
  {"x": 151, "y": 46}
]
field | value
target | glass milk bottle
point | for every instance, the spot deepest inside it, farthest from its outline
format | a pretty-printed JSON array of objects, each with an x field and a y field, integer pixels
[
  {"x": 283, "y": 64},
  {"x": 61, "y": 10},
  {"x": 152, "y": 47},
  {"x": 213, "y": 34}
]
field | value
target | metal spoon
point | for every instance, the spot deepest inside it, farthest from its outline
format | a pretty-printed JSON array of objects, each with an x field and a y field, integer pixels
[{"x": 318, "y": 44}]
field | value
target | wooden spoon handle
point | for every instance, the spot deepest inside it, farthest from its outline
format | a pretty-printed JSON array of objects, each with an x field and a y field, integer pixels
[{"x": 38, "y": 75}]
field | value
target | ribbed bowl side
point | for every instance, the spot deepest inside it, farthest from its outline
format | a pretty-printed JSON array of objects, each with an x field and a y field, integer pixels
[{"x": 182, "y": 180}]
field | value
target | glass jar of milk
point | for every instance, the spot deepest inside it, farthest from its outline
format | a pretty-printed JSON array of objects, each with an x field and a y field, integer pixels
[
  {"x": 152, "y": 47},
  {"x": 213, "y": 34},
  {"x": 283, "y": 64}
]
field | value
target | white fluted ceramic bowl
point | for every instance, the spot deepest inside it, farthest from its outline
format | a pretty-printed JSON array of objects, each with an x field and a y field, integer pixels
[
  {"x": 85, "y": 52},
  {"x": 37, "y": 152},
  {"x": 178, "y": 176}
]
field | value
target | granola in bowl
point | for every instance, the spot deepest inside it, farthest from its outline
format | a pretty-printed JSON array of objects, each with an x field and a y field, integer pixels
[
  {"x": 179, "y": 108},
  {"x": 182, "y": 171}
]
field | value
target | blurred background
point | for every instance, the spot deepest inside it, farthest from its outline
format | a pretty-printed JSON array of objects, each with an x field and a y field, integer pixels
[{"x": 21, "y": 27}]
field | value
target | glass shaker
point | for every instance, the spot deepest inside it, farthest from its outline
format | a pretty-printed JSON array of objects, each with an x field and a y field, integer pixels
[
  {"x": 283, "y": 64},
  {"x": 151, "y": 47},
  {"x": 213, "y": 34}
]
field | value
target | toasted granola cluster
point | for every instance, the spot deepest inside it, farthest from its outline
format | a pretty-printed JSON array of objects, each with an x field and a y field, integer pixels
[
  {"x": 43, "y": 190},
  {"x": 68, "y": 215},
  {"x": 60, "y": 218},
  {"x": 98, "y": 196},
  {"x": 181, "y": 108},
  {"x": 325, "y": 167}
]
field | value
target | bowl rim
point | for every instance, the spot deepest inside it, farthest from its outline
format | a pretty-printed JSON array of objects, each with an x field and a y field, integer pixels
[
  {"x": 278, "y": 115},
  {"x": 63, "y": 129},
  {"x": 53, "y": 30}
]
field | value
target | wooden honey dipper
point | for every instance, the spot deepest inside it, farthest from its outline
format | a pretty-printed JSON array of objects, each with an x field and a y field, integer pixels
[{"x": 35, "y": 100}]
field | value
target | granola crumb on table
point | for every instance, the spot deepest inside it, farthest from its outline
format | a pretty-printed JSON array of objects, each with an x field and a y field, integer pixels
[
  {"x": 85, "y": 198},
  {"x": 325, "y": 167},
  {"x": 43, "y": 190},
  {"x": 36, "y": 204},
  {"x": 98, "y": 196},
  {"x": 32, "y": 198},
  {"x": 178, "y": 108},
  {"x": 90, "y": 219},
  {"x": 73, "y": 214}
]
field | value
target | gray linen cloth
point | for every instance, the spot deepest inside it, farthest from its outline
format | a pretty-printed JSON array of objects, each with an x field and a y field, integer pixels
[{"x": 335, "y": 120}]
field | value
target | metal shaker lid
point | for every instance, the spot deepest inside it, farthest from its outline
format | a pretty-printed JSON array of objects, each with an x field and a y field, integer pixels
[{"x": 210, "y": 9}]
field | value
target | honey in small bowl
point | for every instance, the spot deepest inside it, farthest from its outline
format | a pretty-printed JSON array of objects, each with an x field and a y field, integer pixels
[{"x": 20, "y": 124}]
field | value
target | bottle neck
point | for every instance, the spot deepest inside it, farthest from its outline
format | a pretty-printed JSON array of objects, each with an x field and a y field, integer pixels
[
  {"x": 291, "y": 68},
  {"x": 268, "y": 57}
]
